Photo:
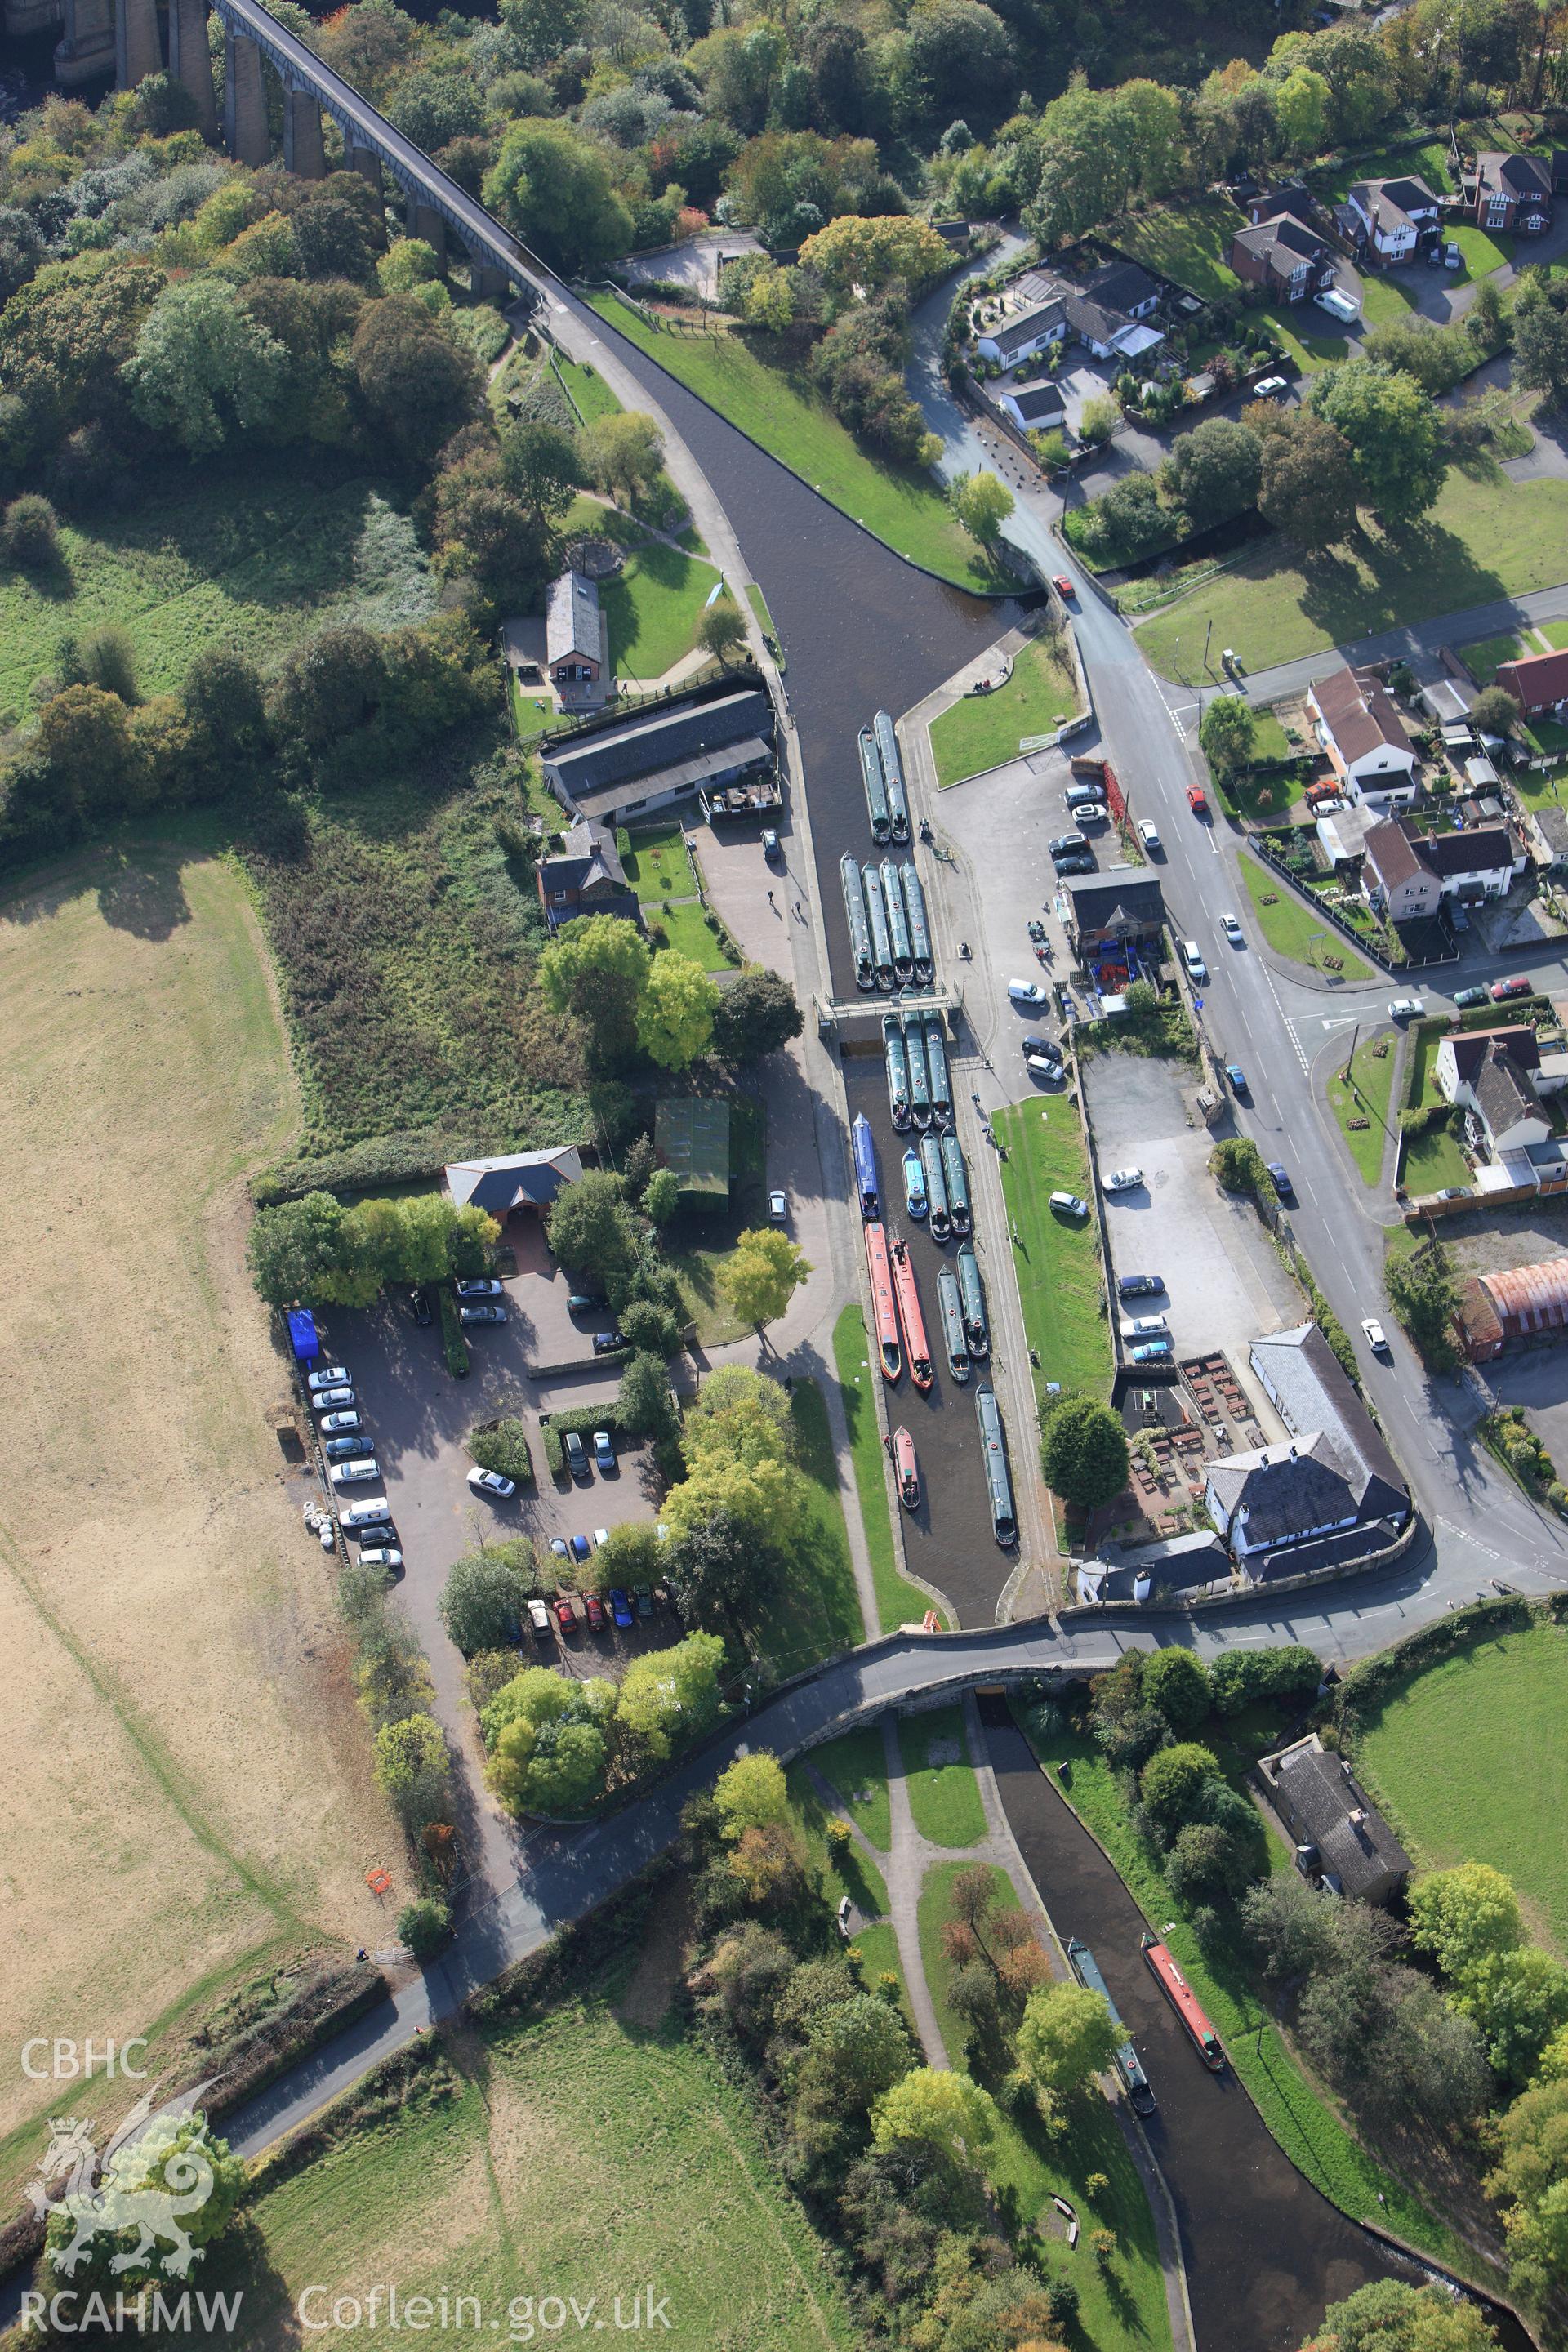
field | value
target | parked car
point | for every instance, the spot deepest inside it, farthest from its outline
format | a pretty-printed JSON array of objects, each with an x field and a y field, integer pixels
[
  {"x": 1282, "y": 1175},
  {"x": 778, "y": 1208},
  {"x": 490, "y": 1482},
  {"x": 581, "y": 1548},
  {"x": 382, "y": 1556},
  {"x": 1197, "y": 800},
  {"x": 421, "y": 1306},
  {"x": 357, "y": 1518},
  {"x": 643, "y": 1598},
  {"x": 1453, "y": 257},
  {"x": 1065, "y": 844},
  {"x": 1139, "y": 1286},
  {"x": 607, "y": 1343},
  {"x": 1377, "y": 1338},
  {"x": 1145, "y": 1327},
  {"x": 539, "y": 1621},
  {"x": 594, "y": 1608},
  {"x": 345, "y": 1449},
  {"x": 576, "y": 1458},
  {"x": 1237, "y": 1076},
  {"x": 360, "y": 1472},
  {"x": 331, "y": 1400},
  {"x": 1123, "y": 1180},
  {"x": 601, "y": 1537},
  {"x": 1149, "y": 835},
  {"x": 330, "y": 1376},
  {"x": 1027, "y": 991},
  {"x": 1078, "y": 795},
  {"x": 558, "y": 1546},
  {"x": 1067, "y": 1204},
  {"x": 1041, "y": 1046},
  {"x": 565, "y": 1610},
  {"x": 1192, "y": 956},
  {"x": 1092, "y": 812},
  {"x": 1517, "y": 986},
  {"x": 1456, "y": 1192},
  {"x": 1338, "y": 305},
  {"x": 770, "y": 845},
  {"x": 1465, "y": 997},
  {"x": 1080, "y": 862},
  {"x": 1150, "y": 1352},
  {"x": 1231, "y": 929},
  {"x": 478, "y": 1286},
  {"x": 582, "y": 1302},
  {"x": 1063, "y": 586},
  {"x": 1272, "y": 387},
  {"x": 1047, "y": 1068},
  {"x": 604, "y": 1449},
  {"x": 620, "y": 1606},
  {"x": 332, "y": 1422},
  {"x": 490, "y": 1313},
  {"x": 1408, "y": 1008}
]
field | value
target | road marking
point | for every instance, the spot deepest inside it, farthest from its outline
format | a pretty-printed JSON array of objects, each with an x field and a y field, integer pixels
[{"x": 1286, "y": 1023}]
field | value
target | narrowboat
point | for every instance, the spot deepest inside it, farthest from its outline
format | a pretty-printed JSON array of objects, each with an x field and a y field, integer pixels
[
  {"x": 1184, "y": 2001},
  {"x": 952, "y": 1310},
  {"x": 921, "y": 1369},
  {"x": 936, "y": 1189},
  {"x": 919, "y": 1084},
  {"x": 977, "y": 1329},
  {"x": 898, "y": 1070},
  {"x": 892, "y": 776},
  {"x": 1084, "y": 1965},
  {"x": 919, "y": 928},
  {"x": 884, "y": 1313},
  {"x": 867, "y": 1174},
  {"x": 898, "y": 922},
  {"x": 957, "y": 1175},
  {"x": 914, "y": 1186},
  {"x": 936, "y": 1066},
  {"x": 859, "y": 930},
  {"x": 876, "y": 791},
  {"x": 881, "y": 946},
  {"x": 998, "y": 1477},
  {"x": 908, "y": 1470}
]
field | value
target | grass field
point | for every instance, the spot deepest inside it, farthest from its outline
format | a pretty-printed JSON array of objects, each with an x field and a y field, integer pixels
[
  {"x": 814, "y": 1612},
  {"x": 1056, "y": 1259},
  {"x": 783, "y": 414},
  {"x": 686, "y": 929},
  {"x": 250, "y": 561},
  {"x": 1444, "y": 1757},
  {"x": 983, "y": 729},
  {"x": 1188, "y": 242},
  {"x": 188, "y": 1777},
  {"x": 1433, "y": 1162},
  {"x": 943, "y": 1795},
  {"x": 1290, "y": 926},
  {"x": 1486, "y": 537},
  {"x": 898, "y": 1603},
  {"x": 582, "y": 2156},
  {"x": 1365, "y": 1097},
  {"x": 1485, "y": 656},
  {"x": 588, "y": 389},
  {"x": 858, "y": 1767}
]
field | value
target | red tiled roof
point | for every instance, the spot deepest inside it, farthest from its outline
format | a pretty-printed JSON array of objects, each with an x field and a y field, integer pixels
[{"x": 1538, "y": 678}]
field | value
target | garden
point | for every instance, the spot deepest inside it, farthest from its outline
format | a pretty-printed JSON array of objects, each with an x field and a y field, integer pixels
[{"x": 1293, "y": 928}]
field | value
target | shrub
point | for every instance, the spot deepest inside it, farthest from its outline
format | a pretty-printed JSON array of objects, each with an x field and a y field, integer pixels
[
  {"x": 502, "y": 1446},
  {"x": 454, "y": 1339},
  {"x": 1172, "y": 1784},
  {"x": 1238, "y": 1677},
  {"x": 424, "y": 1925},
  {"x": 30, "y": 538}
]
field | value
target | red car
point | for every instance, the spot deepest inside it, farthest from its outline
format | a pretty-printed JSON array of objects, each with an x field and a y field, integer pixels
[
  {"x": 1518, "y": 986},
  {"x": 1197, "y": 801},
  {"x": 565, "y": 1615},
  {"x": 1063, "y": 585},
  {"x": 596, "y": 1609}
]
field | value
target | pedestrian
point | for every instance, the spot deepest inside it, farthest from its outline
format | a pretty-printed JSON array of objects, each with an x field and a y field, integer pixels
[{"x": 770, "y": 902}]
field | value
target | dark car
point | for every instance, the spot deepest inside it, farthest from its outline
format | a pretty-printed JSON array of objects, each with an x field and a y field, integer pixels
[
  {"x": 1043, "y": 1046},
  {"x": 594, "y": 1605},
  {"x": 607, "y": 1343},
  {"x": 580, "y": 1547},
  {"x": 481, "y": 1314},
  {"x": 421, "y": 1309},
  {"x": 1237, "y": 1077},
  {"x": 344, "y": 1449},
  {"x": 643, "y": 1597},
  {"x": 375, "y": 1533},
  {"x": 1282, "y": 1175},
  {"x": 1081, "y": 863},
  {"x": 1066, "y": 845},
  {"x": 620, "y": 1605},
  {"x": 1139, "y": 1286},
  {"x": 582, "y": 1302},
  {"x": 576, "y": 1454},
  {"x": 1466, "y": 997}
]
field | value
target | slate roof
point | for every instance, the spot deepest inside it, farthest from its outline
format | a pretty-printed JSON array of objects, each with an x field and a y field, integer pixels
[
  {"x": 1313, "y": 1395},
  {"x": 1121, "y": 285},
  {"x": 1095, "y": 322},
  {"x": 1479, "y": 849},
  {"x": 589, "y": 856},
  {"x": 514, "y": 1180},
  {"x": 1519, "y": 176},
  {"x": 1359, "y": 713},
  {"x": 1394, "y": 203},
  {"x": 1097, "y": 900},
  {"x": 573, "y": 625},
  {"x": 1502, "y": 1098},
  {"x": 1014, "y": 332},
  {"x": 1468, "y": 1048},
  {"x": 1293, "y": 199},
  {"x": 1392, "y": 854},
  {"x": 1284, "y": 243},
  {"x": 1316, "y": 1794},
  {"x": 1039, "y": 403},
  {"x": 647, "y": 746},
  {"x": 1285, "y": 1491}
]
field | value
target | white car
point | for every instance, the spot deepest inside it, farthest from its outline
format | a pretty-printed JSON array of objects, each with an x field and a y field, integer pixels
[
  {"x": 380, "y": 1556},
  {"x": 1067, "y": 1204},
  {"x": 333, "y": 1423},
  {"x": 330, "y": 1376},
  {"x": 330, "y": 1400},
  {"x": 601, "y": 1537},
  {"x": 358, "y": 1472},
  {"x": 778, "y": 1208},
  {"x": 1145, "y": 1326},
  {"x": 1272, "y": 388},
  {"x": 1406, "y": 1008},
  {"x": 1192, "y": 956},
  {"x": 1149, "y": 835},
  {"x": 1374, "y": 1335},
  {"x": 481, "y": 1285},
  {"x": 1027, "y": 991},
  {"x": 1231, "y": 929},
  {"x": 1123, "y": 1180},
  {"x": 490, "y": 1482}
]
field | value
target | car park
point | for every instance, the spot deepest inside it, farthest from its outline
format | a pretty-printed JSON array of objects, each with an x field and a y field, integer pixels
[
  {"x": 1465, "y": 997},
  {"x": 604, "y": 1449},
  {"x": 644, "y": 1599},
  {"x": 1139, "y": 1286},
  {"x": 330, "y": 1376},
  {"x": 1150, "y": 1352},
  {"x": 374, "y": 1512},
  {"x": 344, "y": 1449},
  {"x": 331, "y": 1422},
  {"x": 565, "y": 1612},
  {"x": 331, "y": 1400},
  {"x": 778, "y": 1208},
  {"x": 1407, "y": 1008},
  {"x": 1067, "y": 1204},
  {"x": 1231, "y": 929},
  {"x": 490, "y": 1313},
  {"x": 1517, "y": 986},
  {"x": 620, "y": 1606},
  {"x": 1032, "y": 1045},
  {"x": 1282, "y": 1175},
  {"x": 594, "y": 1609},
  {"x": 1377, "y": 1338},
  {"x": 1123, "y": 1180},
  {"x": 383, "y": 1555},
  {"x": 491, "y": 1481},
  {"x": 1237, "y": 1077},
  {"x": 1149, "y": 835},
  {"x": 601, "y": 1537},
  {"x": 607, "y": 1343},
  {"x": 539, "y": 1621},
  {"x": 558, "y": 1546},
  {"x": 1027, "y": 991},
  {"x": 576, "y": 1457},
  {"x": 357, "y": 1472},
  {"x": 1192, "y": 956},
  {"x": 1063, "y": 586},
  {"x": 581, "y": 1548},
  {"x": 479, "y": 1285}
]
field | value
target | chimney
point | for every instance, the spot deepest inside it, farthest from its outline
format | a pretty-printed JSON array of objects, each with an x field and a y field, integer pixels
[{"x": 1358, "y": 1818}]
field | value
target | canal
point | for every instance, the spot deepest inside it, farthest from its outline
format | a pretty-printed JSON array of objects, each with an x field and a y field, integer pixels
[{"x": 864, "y": 631}]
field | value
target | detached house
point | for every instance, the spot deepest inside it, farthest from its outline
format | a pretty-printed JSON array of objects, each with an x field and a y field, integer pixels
[
  {"x": 1342, "y": 1842},
  {"x": 1463, "y": 1060},
  {"x": 1036, "y": 407},
  {"x": 586, "y": 878},
  {"x": 575, "y": 655},
  {"x": 1283, "y": 256},
  {"x": 1390, "y": 216},
  {"x": 1539, "y": 683},
  {"x": 1509, "y": 191},
  {"x": 1360, "y": 730},
  {"x": 1012, "y": 340},
  {"x": 1292, "y": 197}
]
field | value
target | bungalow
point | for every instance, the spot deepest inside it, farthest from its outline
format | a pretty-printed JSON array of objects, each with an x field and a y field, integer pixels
[
  {"x": 516, "y": 1181},
  {"x": 1393, "y": 871},
  {"x": 1342, "y": 1841},
  {"x": 1036, "y": 407},
  {"x": 586, "y": 878},
  {"x": 1539, "y": 683},
  {"x": 692, "y": 744},
  {"x": 1110, "y": 333},
  {"x": 1012, "y": 340},
  {"x": 576, "y": 656},
  {"x": 1283, "y": 256},
  {"x": 1360, "y": 730},
  {"x": 1481, "y": 862},
  {"x": 1123, "y": 286},
  {"x": 1508, "y": 192},
  {"x": 1392, "y": 215}
]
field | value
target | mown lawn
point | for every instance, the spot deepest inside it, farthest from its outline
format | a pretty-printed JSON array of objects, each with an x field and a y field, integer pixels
[
  {"x": 983, "y": 729},
  {"x": 1189, "y": 243},
  {"x": 1485, "y": 656},
  {"x": 1484, "y": 249},
  {"x": 781, "y": 412},
  {"x": 1290, "y": 926},
  {"x": 1428, "y": 160},
  {"x": 1487, "y": 537},
  {"x": 1055, "y": 1258},
  {"x": 856, "y": 1875},
  {"x": 1470, "y": 1760},
  {"x": 943, "y": 1796},
  {"x": 652, "y": 608},
  {"x": 1555, "y": 634},
  {"x": 657, "y": 863},
  {"x": 1269, "y": 740},
  {"x": 588, "y": 389},
  {"x": 1297, "y": 325},
  {"x": 1385, "y": 299},
  {"x": 857, "y": 1764},
  {"x": 1422, "y": 1089},
  {"x": 1433, "y": 1162},
  {"x": 812, "y": 1612},
  {"x": 686, "y": 929},
  {"x": 898, "y": 1603},
  {"x": 1365, "y": 1095}
]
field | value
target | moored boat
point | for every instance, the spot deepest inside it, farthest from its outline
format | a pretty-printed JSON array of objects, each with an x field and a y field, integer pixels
[
  {"x": 920, "y": 1082},
  {"x": 876, "y": 790},
  {"x": 883, "y": 1311},
  {"x": 868, "y": 1176},
  {"x": 914, "y": 1186},
  {"x": 859, "y": 930},
  {"x": 921, "y": 1369},
  {"x": 936, "y": 1068},
  {"x": 897, "y": 1062},
  {"x": 936, "y": 1188},
  {"x": 908, "y": 1469},
  {"x": 952, "y": 1310},
  {"x": 892, "y": 776},
  {"x": 876, "y": 907},
  {"x": 957, "y": 1177},
  {"x": 920, "y": 927},
  {"x": 898, "y": 922},
  {"x": 971, "y": 1290}
]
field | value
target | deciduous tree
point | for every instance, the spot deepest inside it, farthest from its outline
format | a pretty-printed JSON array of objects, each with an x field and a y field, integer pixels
[
  {"x": 675, "y": 1018},
  {"x": 1392, "y": 428},
  {"x": 590, "y": 1228},
  {"x": 1307, "y": 482},
  {"x": 761, "y": 1274},
  {"x": 597, "y": 967},
  {"x": 1083, "y": 1451},
  {"x": 1228, "y": 733},
  {"x": 557, "y": 189},
  {"x": 757, "y": 1013},
  {"x": 939, "y": 2109},
  {"x": 750, "y": 1793},
  {"x": 1066, "y": 2036},
  {"x": 484, "y": 1600},
  {"x": 982, "y": 504}
]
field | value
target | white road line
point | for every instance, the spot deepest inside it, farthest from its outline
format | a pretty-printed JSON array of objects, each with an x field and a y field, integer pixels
[{"x": 1288, "y": 1025}]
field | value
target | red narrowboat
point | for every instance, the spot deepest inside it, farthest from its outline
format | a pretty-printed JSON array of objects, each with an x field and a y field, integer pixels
[
  {"x": 1184, "y": 2000},
  {"x": 914, "y": 1322},
  {"x": 884, "y": 1312},
  {"x": 908, "y": 1469}
]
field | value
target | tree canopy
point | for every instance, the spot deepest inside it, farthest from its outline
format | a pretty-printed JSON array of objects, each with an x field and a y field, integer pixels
[{"x": 1083, "y": 1451}]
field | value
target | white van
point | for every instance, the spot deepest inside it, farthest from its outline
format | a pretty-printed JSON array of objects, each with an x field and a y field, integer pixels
[
  {"x": 1192, "y": 956},
  {"x": 366, "y": 1515},
  {"x": 1338, "y": 305}
]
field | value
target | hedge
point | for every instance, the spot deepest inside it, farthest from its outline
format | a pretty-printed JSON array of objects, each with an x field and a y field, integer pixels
[
  {"x": 584, "y": 1419},
  {"x": 411, "y": 1158},
  {"x": 453, "y": 1337}
]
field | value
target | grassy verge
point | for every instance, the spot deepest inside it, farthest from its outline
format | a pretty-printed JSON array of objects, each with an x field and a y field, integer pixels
[
  {"x": 1308, "y": 2130},
  {"x": 983, "y": 729},
  {"x": 1309, "y": 352},
  {"x": 858, "y": 1767},
  {"x": 782, "y": 413},
  {"x": 1384, "y": 300},
  {"x": 853, "y": 1873},
  {"x": 898, "y": 1603},
  {"x": 1056, "y": 1259},
  {"x": 588, "y": 389},
  {"x": 815, "y": 1612},
  {"x": 1366, "y": 1094},
  {"x": 1433, "y": 1162},
  {"x": 759, "y": 604},
  {"x": 1486, "y": 537},
  {"x": 1292, "y": 930},
  {"x": 943, "y": 1796},
  {"x": 1485, "y": 656}
]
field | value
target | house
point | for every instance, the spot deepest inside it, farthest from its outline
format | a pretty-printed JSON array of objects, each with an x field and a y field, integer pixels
[
  {"x": 1123, "y": 286},
  {"x": 1491, "y": 1074},
  {"x": 1549, "y": 830},
  {"x": 1293, "y": 200},
  {"x": 1272, "y": 1499},
  {"x": 1481, "y": 862},
  {"x": 1283, "y": 256},
  {"x": 1539, "y": 683},
  {"x": 516, "y": 1181},
  {"x": 1508, "y": 192},
  {"x": 684, "y": 746},
  {"x": 1342, "y": 1841},
  {"x": 1105, "y": 908},
  {"x": 1109, "y": 333},
  {"x": 1392, "y": 215},
  {"x": 1034, "y": 329},
  {"x": 1036, "y": 407},
  {"x": 1392, "y": 873},
  {"x": 586, "y": 878},
  {"x": 1360, "y": 730},
  {"x": 577, "y": 654},
  {"x": 1311, "y": 1393}
]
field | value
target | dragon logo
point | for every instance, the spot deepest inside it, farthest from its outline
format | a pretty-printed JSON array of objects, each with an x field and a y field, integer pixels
[{"x": 151, "y": 2174}]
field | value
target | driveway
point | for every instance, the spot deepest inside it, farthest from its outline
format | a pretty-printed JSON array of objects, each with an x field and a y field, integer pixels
[{"x": 1538, "y": 1379}]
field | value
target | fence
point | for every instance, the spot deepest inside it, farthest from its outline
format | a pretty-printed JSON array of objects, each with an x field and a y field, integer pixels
[{"x": 1358, "y": 939}]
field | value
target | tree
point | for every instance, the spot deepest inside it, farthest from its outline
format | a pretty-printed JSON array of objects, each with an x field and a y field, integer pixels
[
  {"x": 770, "y": 1864},
  {"x": 750, "y": 1793},
  {"x": 1530, "y": 2182},
  {"x": 644, "y": 1406},
  {"x": 224, "y": 702},
  {"x": 484, "y": 1602},
  {"x": 597, "y": 967},
  {"x": 1389, "y": 2316},
  {"x": 173, "y": 2163},
  {"x": 1098, "y": 422},
  {"x": 1066, "y": 2036},
  {"x": 1495, "y": 712},
  {"x": 633, "y": 1554},
  {"x": 761, "y": 1274},
  {"x": 542, "y": 467},
  {"x": 202, "y": 368},
  {"x": 1518, "y": 2000},
  {"x": 939, "y": 2109},
  {"x": 757, "y": 1013},
  {"x": 407, "y": 263},
  {"x": 1464, "y": 1915},
  {"x": 1307, "y": 482},
  {"x": 715, "y": 1568},
  {"x": 1213, "y": 471},
  {"x": 557, "y": 189},
  {"x": 1287, "y": 1671},
  {"x": 417, "y": 384},
  {"x": 412, "y": 1768},
  {"x": 873, "y": 253},
  {"x": 674, "y": 1019},
  {"x": 425, "y": 1925},
  {"x": 1302, "y": 109},
  {"x": 330, "y": 685},
  {"x": 1083, "y": 1453},
  {"x": 770, "y": 299},
  {"x": 1541, "y": 349},
  {"x": 29, "y": 534},
  {"x": 104, "y": 658},
  {"x": 722, "y": 632},
  {"x": 292, "y": 1246},
  {"x": 1290, "y": 1925},
  {"x": 669, "y": 1697},
  {"x": 858, "y": 2050},
  {"x": 547, "y": 1739},
  {"x": 1392, "y": 428},
  {"x": 982, "y": 504},
  {"x": 1172, "y": 1784},
  {"x": 1228, "y": 729},
  {"x": 1436, "y": 357},
  {"x": 660, "y": 1200},
  {"x": 591, "y": 1229},
  {"x": 543, "y": 28},
  {"x": 623, "y": 452},
  {"x": 1177, "y": 1683},
  {"x": 1206, "y": 1863},
  {"x": 1425, "y": 1298}
]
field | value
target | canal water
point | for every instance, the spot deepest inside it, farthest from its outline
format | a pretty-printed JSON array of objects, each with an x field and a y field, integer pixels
[{"x": 863, "y": 630}]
